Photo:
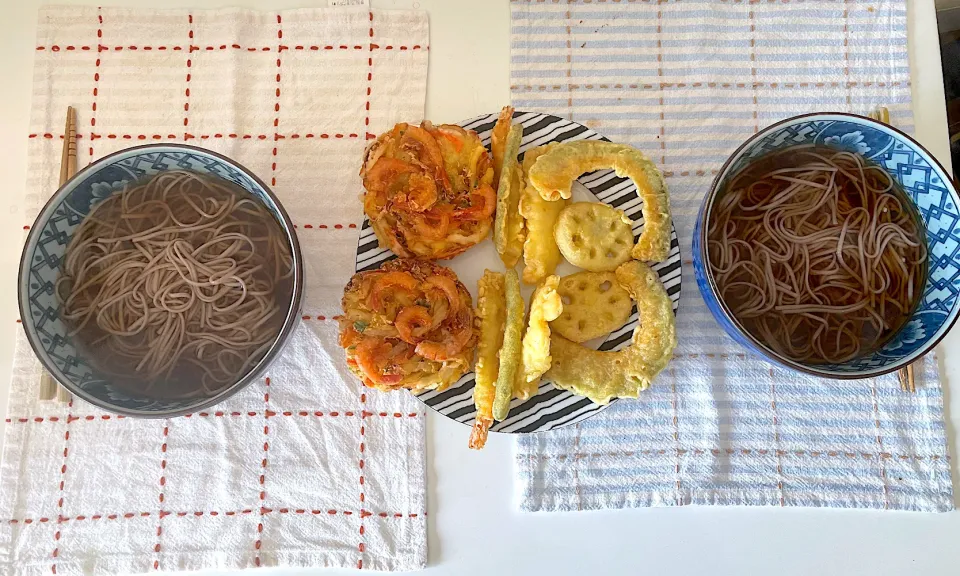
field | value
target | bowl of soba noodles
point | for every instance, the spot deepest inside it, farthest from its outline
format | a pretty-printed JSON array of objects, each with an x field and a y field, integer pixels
[
  {"x": 828, "y": 244},
  {"x": 160, "y": 280}
]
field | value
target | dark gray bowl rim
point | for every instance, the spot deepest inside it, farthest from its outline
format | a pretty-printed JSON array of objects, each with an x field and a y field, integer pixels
[
  {"x": 763, "y": 348},
  {"x": 283, "y": 337}
]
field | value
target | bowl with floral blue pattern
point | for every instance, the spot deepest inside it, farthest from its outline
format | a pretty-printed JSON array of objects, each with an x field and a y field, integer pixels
[
  {"x": 40, "y": 265},
  {"x": 926, "y": 184}
]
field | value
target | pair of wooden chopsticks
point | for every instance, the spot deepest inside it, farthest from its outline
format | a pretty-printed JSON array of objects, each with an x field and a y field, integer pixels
[
  {"x": 905, "y": 374},
  {"x": 68, "y": 167}
]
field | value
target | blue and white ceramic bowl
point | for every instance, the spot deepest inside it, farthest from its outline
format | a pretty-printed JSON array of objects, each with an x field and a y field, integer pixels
[
  {"x": 47, "y": 242},
  {"x": 925, "y": 182}
]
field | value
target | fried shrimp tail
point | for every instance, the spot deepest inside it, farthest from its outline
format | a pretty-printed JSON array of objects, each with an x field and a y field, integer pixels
[
  {"x": 510, "y": 351},
  {"x": 478, "y": 434},
  {"x": 491, "y": 316}
]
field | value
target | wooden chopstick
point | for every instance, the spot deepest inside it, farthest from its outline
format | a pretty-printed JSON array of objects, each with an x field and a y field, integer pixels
[
  {"x": 905, "y": 374},
  {"x": 68, "y": 167},
  {"x": 907, "y": 383}
]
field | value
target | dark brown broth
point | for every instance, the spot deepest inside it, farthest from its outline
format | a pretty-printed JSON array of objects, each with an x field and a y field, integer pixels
[
  {"x": 183, "y": 380},
  {"x": 796, "y": 336}
]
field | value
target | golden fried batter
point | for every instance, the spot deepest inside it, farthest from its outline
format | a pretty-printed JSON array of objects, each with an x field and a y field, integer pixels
[
  {"x": 491, "y": 315},
  {"x": 594, "y": 304},
  {"x": 594, "y": 236},
  {"x": 498, "y": 139},
  {"x": 553, "y": 175},
  {"x": 508, "y": 230},
  {"x": 540, "y": 252},
  {"x": 601, "y": 376},
  {"x": 407, "y": 325},
  {"x": 429, "y": 190},
  {"x": 510, "y": 352},
  {"x": 545, "y": 305}
]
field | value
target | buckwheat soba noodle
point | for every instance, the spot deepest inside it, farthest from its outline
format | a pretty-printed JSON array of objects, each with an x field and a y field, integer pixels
[
  {"x": 817, "y": 253},
  {"x": 177, "y": 285}
]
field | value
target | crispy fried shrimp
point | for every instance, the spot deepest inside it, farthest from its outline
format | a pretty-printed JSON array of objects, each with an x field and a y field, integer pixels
[
  {"x": 388, "y": 284},
  {"x": 372, "y": 356},
  {"x": 429, "y": 190},
  {"x": 424, "y": 147},
  {"x": 483, "y": 203},
  {"x": 432, "y": 224},
  {"x": 420, "y": 193},
  {"x": 412, "y": 323},
  {"x": 454, "y": 339},
  {"x": 408, "y": 325},
  {"x": 449, "y": 288}
]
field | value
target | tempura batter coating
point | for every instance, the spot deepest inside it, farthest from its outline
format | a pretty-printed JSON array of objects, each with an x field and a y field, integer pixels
[
  {"x": 510, "y": 351},
  {"x": 429, "y": 190},
  {"x": 498, "y": 139},
  {"x": 491, "y": 315},
  {"x": 594, "y": 304},
  {"x": 545, "y": 305},
  {"x": 408, "y": 325},
  {"x": 554, "y": 172},
  {"x": 601, "y": 376},
  {"x": 508, "y": 233},
  {"x": 594, "y": 236},
  {"x": 540, "y": 252}
]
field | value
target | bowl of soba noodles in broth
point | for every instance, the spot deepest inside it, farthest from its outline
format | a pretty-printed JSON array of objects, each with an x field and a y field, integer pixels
[
  {"x": 160, "y": 280},
  {"x": 827, "y": 244}
]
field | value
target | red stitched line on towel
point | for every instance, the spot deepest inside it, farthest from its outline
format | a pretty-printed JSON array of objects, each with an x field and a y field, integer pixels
[
  {"x": 232, "y": 46},
  {"x": 663, "y": 121},
  {"x": 672, "y": 174},
  {"x": 163, "y": 483},
  {"x": 676, "y": 433},
  {"x": 361, "y": 546},
  {"x": 576, "y": 469},
  {"x": 350, "y": 226},
  {"x": 202, "y": 513},
  {"x": 188, "y": 136},
  {"x": 651, "y": 86},
  {"x": 186, "y": 90},
  {"x": 325, "y": 226},
  {"x": 776, "y": 435},
  {"x": 63, "y": 474},
  {"x": 846, "y": 49},
  {"x": 366, "y": 120},
  {"x": 263, "y": 471},
  {"x": 221, "y": 414},
  {"x": 96, "y": 81},
  {"x": 880, "y": 452},
  {"x": 747, "y": 452},
  {"x": 276, "y": 107},
  {"x": 753, "y": 68},
  {"x": 569, "y": 71}
]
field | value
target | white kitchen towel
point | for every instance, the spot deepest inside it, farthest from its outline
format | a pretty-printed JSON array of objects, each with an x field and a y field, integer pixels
[
  {"x": 688, "y": 81},
  {"x": 305, "y": 468}
]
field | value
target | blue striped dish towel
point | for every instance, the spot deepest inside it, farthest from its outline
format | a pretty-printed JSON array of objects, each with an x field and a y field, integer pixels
[{"x": 687, "y": 81}]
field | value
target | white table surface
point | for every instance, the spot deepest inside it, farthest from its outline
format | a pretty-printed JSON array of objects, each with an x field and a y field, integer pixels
[{"x": 474, "y": 525}]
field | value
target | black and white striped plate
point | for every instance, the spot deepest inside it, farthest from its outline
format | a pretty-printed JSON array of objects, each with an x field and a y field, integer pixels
[{"x": 550, "y": 408}]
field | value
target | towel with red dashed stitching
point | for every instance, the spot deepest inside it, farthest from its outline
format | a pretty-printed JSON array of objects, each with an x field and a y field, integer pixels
[{"x": 305, "y": 468}]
